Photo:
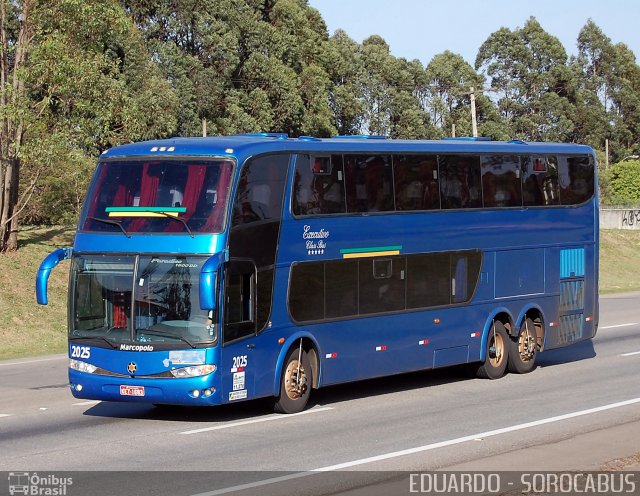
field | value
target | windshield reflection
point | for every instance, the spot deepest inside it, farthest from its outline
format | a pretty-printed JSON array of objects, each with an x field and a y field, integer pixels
[
  {"x": 124, "y": 299},
  {"x": 150, "y": 196}
]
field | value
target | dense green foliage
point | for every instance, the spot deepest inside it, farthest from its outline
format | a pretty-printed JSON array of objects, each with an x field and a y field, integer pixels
[
  {"x": 79, "y": 76},
  {"x": 620, "y": 184}
]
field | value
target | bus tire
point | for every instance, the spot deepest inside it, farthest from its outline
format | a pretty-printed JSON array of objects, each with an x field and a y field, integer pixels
[
  {"x": 523, "y": 348},
  {"x": 497, "y": 353},
  {"x": 295, "y": 383}
]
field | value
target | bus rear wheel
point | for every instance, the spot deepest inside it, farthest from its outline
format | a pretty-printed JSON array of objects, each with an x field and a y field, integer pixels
[
  {"x": 295, "y": 384},
  {"x": 523, "y": 347},
  {"x": 497, "y": 353}
]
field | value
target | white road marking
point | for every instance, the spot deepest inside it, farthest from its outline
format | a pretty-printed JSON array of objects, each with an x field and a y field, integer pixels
[
  {"x": 255, "y": 421},
  {"x": 420, "y": 449},
  {"x": 6, "y": 364},
  {"x": 6, "y": 414},
  {"x": 85, "y": 403},
  {"x": 619, "y": 325},
  {"x": 630, "y": 354}
]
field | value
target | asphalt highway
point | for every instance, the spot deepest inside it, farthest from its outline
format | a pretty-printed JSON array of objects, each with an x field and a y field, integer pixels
[{"x": 577, "y": 411}]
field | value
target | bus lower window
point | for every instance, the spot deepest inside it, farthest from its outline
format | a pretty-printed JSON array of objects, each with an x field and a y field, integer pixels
[
  {"x": 349, "y": 288},
  {"x": 306, "y": 293},
  {"x": 341, "y": 291},
  {"x": 381, "y": 285},
  {"x": 428, "y": 280}
]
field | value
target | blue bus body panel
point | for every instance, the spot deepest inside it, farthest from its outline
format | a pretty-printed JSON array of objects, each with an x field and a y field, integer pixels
[{"x": 433, "y": 231}]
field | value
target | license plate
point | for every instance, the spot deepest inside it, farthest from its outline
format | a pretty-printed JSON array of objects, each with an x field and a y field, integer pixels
[{"x": 131, "y": 390}]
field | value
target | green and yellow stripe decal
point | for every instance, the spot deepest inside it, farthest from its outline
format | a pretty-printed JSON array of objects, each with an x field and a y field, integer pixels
[
  {"x": 375, "y": 251},
  {"x": 145, "y": 211}
]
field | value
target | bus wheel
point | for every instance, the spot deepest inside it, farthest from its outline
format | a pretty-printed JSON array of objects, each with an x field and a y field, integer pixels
[
  {"x": 497, "y": 353},
  {"x": 295, "y": 385},
  {"x": 522, "y": 352}
]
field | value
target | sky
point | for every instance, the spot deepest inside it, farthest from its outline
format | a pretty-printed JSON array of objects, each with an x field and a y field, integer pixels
[{"x": 420, "y": 29}]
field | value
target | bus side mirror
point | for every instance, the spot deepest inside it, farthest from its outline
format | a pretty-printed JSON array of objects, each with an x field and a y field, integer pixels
[
  {"x": 208, "y": 281},
  {"x": 42, "y": 277}
]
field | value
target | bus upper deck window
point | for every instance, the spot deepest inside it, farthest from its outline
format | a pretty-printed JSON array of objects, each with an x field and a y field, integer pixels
[{"x": 318, "y": 185}]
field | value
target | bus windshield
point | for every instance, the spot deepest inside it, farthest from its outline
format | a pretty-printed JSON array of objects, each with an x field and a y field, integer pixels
[
  {"x": 142, "y": 299},
  {"x": 169, "y": 196}
]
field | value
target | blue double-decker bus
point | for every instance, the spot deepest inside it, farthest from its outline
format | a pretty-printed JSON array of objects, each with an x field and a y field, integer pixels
[{"x": 213, "y": 270}]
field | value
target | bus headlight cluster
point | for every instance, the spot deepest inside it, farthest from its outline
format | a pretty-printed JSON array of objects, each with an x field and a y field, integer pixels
[
  {"x": 193, "y": 371},
  {"x": 82, "y": 366}
]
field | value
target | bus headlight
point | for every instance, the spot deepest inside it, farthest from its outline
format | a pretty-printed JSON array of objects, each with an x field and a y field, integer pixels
[
  {"x": 82, "y": 366},
  {"x": 193, "y": 371}
]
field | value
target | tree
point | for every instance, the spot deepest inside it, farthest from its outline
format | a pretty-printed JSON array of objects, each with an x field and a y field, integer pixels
[
  {"x": 608, "y": 95},
  {"x": 408, "y": 119},
  {"x": 449, "y": 79},
  {"x": 16, "y": 33},
  {"x": 81, "y": 82},
  {"x": 528, "y": 71},
  {"x": 343, "y": 64},
  {"x": 374, "y": 85},
  {"x": 243, "y": 65}
]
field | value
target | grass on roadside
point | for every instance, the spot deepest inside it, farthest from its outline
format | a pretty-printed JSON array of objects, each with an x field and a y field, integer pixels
[
  {"x": 619, "y": 260},
  {"x": 27, "y": 329}
]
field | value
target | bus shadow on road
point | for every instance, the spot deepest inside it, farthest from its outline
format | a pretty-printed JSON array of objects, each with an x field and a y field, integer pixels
[
  {"x": 326, "y": 396},
  {"x": 411, "y": 381},
  {"x": 573, "y": 353},
  {"x": 263, "y": 407},
  {"x": 176, "y": 413}
]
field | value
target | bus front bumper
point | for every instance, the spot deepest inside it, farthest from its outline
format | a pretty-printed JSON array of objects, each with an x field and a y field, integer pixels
[{"x": 194, "y": 391}]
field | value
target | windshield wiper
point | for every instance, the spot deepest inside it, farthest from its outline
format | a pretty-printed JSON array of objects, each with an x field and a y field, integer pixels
[
  {"x": 184, "y": 222},
  {"x": 93, "y": 338},
  {"x": 169, "y": 335},
  {"x": 113, "y": 223}
]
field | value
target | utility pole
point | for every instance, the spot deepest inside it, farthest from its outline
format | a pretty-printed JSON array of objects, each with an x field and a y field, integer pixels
[
  {"x": 606, "y": 153},
  {"x": 204, "y": 128},
  {"x": 474, "y": 123}
]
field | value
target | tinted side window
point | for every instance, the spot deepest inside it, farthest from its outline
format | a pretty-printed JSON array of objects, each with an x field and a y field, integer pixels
[
  {"x": 368, "y": 183},
  {"x": 501, "y": 181},
  {"x": 341, "y": 292},
  {"x": 306, "y": 292},
  {"x": 260, "y": 190},
  {"x": 428, "y": 280},
  {"x": 416, "y": 182},
  {"x": 348, "y": 288},
  {"x": 460, "y": 185},
  {"x": 576, "y": 179},
  {"x": 382, "y": 282},
  {"x": 540, "y": 181},
  {"x": 318, "y": 186},
  {"x": 465, "y": 269}
]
